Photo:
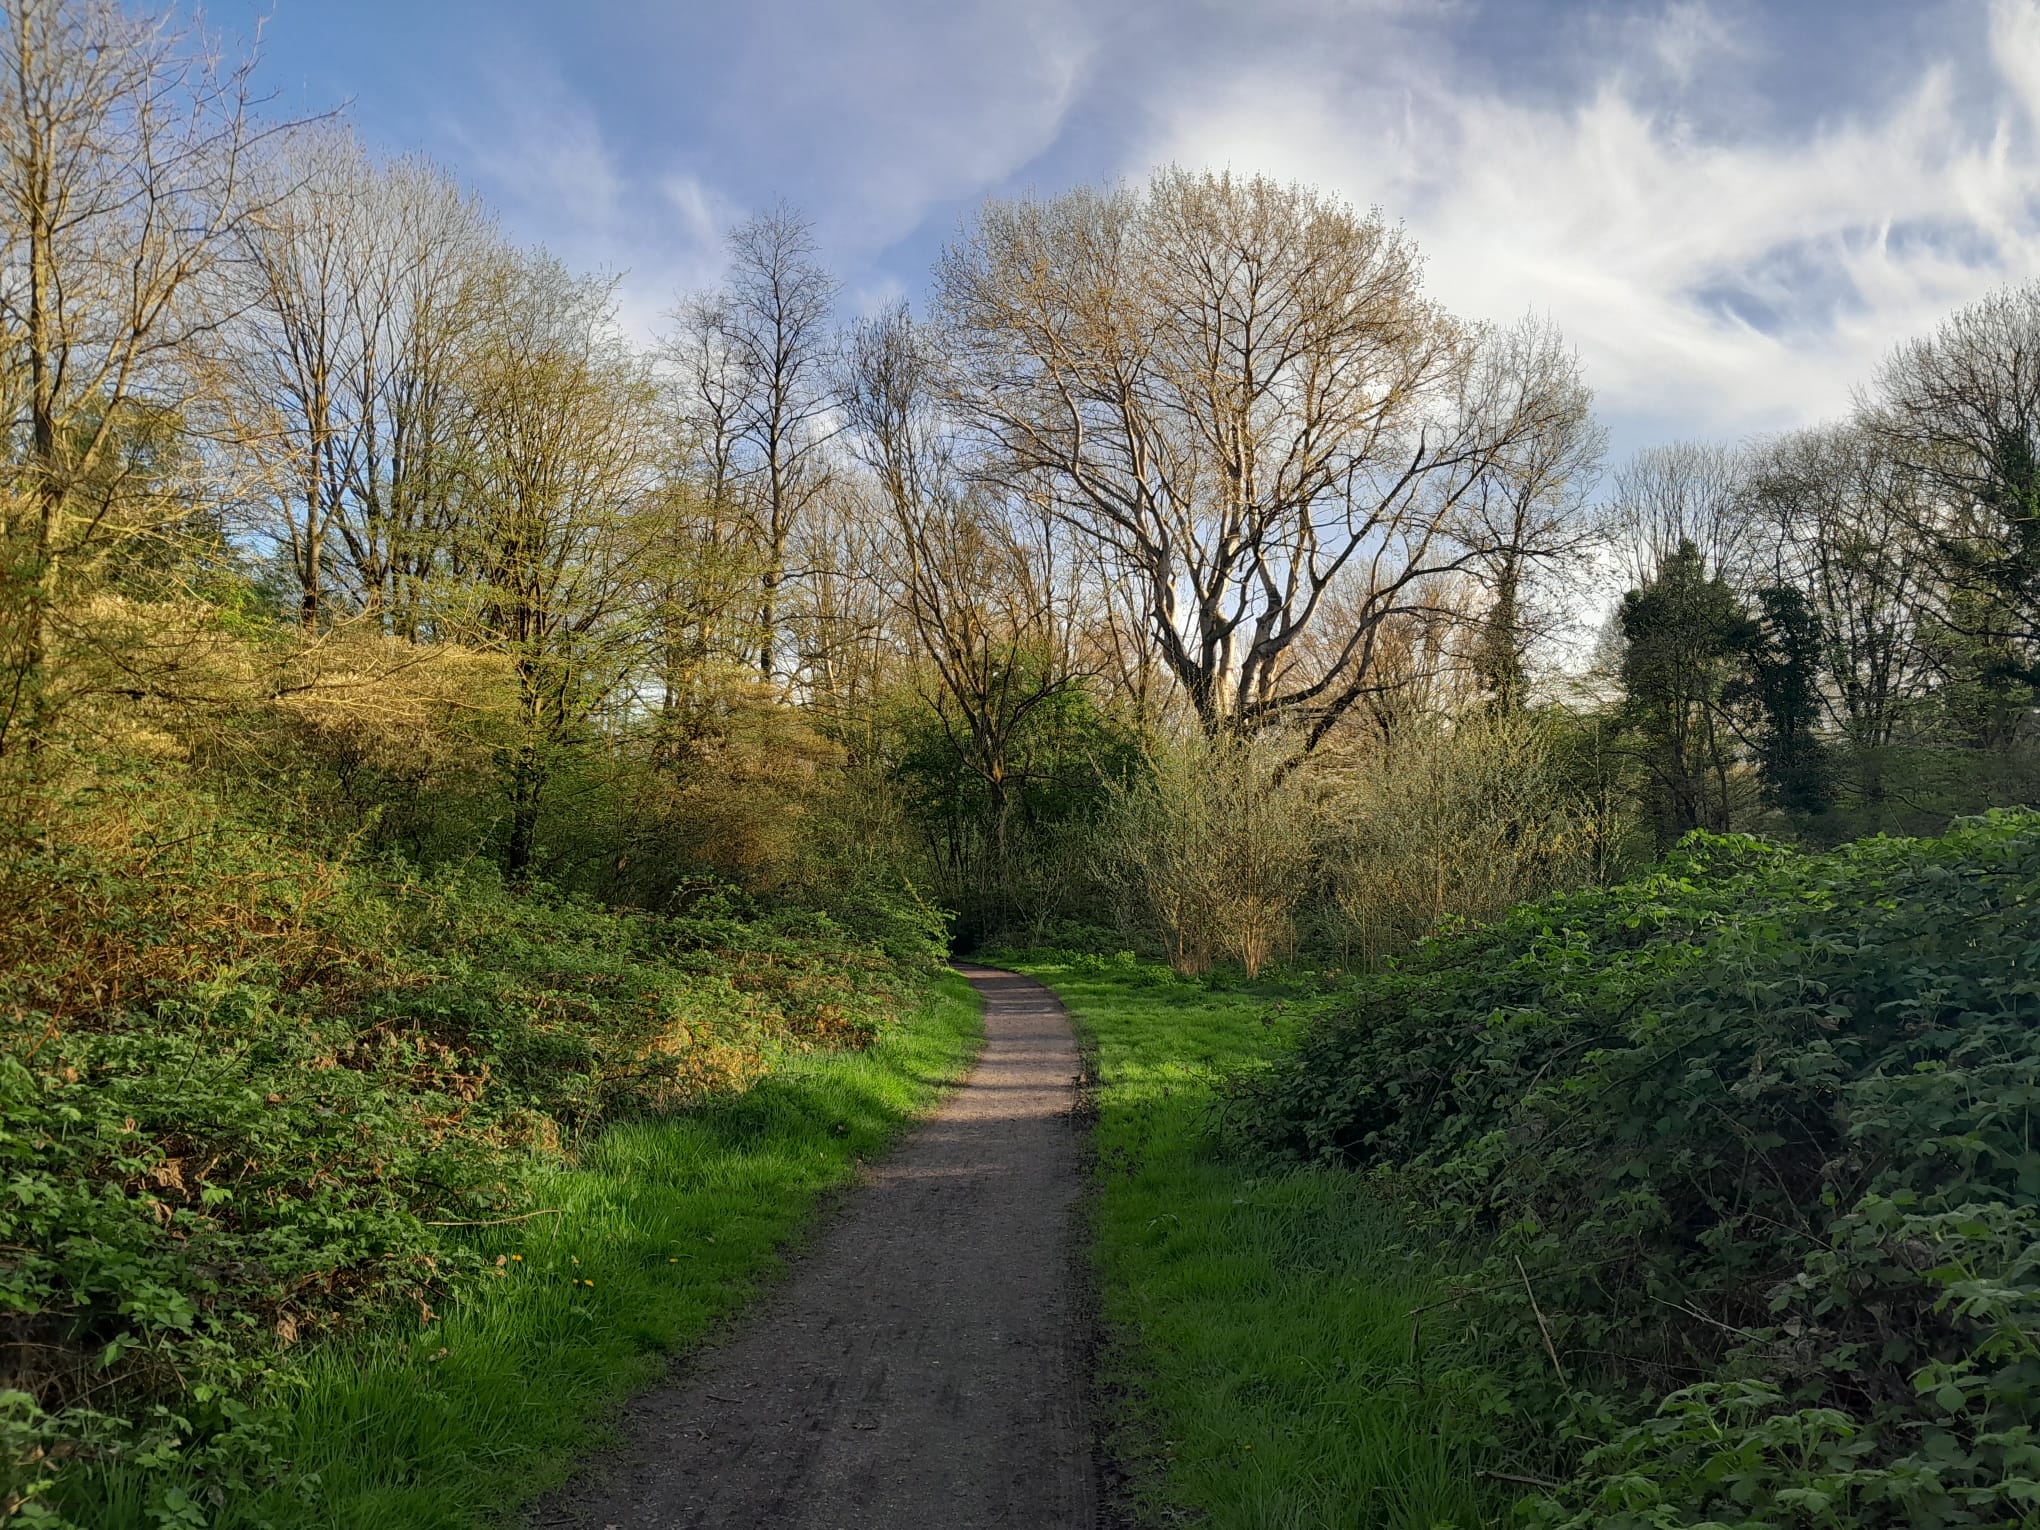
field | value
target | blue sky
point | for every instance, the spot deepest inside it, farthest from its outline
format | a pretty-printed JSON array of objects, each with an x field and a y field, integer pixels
[{"x": 1733, "y": 208}]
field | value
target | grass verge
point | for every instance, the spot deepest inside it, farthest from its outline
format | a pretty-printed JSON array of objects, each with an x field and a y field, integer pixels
[
  {"x": 1258, "y": 1354},
  {"x": 446, "y": 1421}
]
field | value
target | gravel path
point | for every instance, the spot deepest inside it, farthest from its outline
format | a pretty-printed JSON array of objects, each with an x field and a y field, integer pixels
[{"x": 923, "y": 1366}]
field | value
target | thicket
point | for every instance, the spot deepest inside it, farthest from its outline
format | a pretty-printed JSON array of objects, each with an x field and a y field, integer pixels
[
  {"x": 1747, "y": 1146},
  {"x": 246, "y": 1087}
]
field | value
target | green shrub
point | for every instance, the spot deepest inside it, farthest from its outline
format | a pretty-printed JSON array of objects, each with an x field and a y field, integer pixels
[
  {"x": 1752, "y": 1140},
  {"x": 242, "y": 1089}
]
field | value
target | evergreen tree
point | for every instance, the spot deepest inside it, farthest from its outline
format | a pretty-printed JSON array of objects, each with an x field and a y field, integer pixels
[
  {"x": 1784, "y": 659},
  {"x": 1683, "y": 637}
]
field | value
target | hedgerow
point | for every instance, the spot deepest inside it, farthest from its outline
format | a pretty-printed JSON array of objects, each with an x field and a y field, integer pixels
[{"x": 1749, "y": 1144}]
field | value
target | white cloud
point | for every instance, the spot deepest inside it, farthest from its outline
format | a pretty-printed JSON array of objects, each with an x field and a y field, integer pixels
[
  {"x": 539, "y": 146},
  {"x": 541, "y": 155},
  {"x": 1714, "y": 283},
  {"x": 1689, "y": 36},
  {"x": 700, "y": 213}
]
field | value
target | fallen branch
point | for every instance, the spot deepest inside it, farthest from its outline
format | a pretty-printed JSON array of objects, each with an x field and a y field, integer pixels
[
  {"x": 1542, "y": 1327},
  {"x": 1521, "y": 1481}
]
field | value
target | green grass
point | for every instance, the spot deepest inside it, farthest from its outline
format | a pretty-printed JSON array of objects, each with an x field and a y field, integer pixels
[
  {"x": 668, "y": 1225},
  {"x": 1258, "y": 1355}
]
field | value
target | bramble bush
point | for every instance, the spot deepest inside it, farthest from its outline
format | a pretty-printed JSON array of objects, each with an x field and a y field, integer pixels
[
  {"x": 1750, "y": 1144},
  {"x": 243, "y": 1089}
]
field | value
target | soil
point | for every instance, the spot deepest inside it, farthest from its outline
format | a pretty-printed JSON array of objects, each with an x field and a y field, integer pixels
[{"x": 925, "y": 1362}]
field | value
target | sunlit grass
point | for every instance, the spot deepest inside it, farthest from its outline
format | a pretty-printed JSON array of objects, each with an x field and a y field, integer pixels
[
  {"x": 1258, "y": 1367},
  {"x": 667, "y": 1226}
]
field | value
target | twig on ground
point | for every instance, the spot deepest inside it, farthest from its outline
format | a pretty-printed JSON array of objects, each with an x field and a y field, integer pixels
[
  {"x": 1522, "y": 1481},
  {"x": 551, "y": 1211}
]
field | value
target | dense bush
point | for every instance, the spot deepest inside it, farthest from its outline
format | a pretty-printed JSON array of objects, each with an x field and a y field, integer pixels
[
  {"x": 1750, "y": 1141},
  {"x": 243, "y": 1089}
]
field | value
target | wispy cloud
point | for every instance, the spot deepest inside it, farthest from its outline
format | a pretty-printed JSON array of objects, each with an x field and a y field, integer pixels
[
  {"x": 535, "y": 146},
  {"x": 1732, "y": 207},
  {"x": 540, "y": 152},
  {"x": 1714, "y": 282}
]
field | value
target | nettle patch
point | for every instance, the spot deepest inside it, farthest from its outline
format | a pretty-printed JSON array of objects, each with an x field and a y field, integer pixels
[{"x": 1751, "y": 1144}]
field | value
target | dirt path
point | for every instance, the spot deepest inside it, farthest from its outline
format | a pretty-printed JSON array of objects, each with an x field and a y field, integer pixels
[{"x": 922, "y": 1367}]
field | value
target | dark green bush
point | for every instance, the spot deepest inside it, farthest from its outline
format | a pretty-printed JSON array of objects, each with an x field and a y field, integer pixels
[{"x": 1752, "y": 1140}]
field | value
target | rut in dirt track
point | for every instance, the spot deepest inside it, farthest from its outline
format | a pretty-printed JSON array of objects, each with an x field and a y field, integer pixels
[{"x": 924, "y": 1363}]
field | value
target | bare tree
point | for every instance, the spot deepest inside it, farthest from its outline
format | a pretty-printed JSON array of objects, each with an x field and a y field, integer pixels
[
  {"x": 423, "y": 288},
  {"x": 292, "y": 335},
  {"x": 123, "y": 156},
  {"x": 987, "y": 601},
  {"x": 845, "y": 633},
  {"x": 1238, "y": 388},
  {"x": 1960, "y": 411},
  {"x": 1531, "y": 507},
  {"x": 1689, "y": 491},
  {"x": 1841, "y": 516},
  {"x": 708, "y": 386},
  {"x": 347, "y": 308},
  {"x": 760, "y": 372}
]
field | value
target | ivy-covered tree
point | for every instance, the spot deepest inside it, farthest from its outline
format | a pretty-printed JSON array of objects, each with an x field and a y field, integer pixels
[
  {"x": 1784, "y": 656},
  {"x": 1684, "y": 634}
]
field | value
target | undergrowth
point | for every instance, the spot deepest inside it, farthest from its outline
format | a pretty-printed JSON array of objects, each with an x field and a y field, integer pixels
[
  {"x": 251, "y": 1101},
  {"x": 1750, "y": 1141}
]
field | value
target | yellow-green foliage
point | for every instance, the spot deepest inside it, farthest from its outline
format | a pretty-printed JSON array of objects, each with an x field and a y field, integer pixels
[
  {"x": 1215, "y": 846},
  {"x": 1457, "y": 818},
  {"x": 241, "y": 1081}
]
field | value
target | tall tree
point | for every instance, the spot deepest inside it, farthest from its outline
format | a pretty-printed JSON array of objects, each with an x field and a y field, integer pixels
[
  {"x": 1784, "y": 656},
  {"x": 1530, "y": 507},
  {"x": 1684, "y": 634},
  {"x": 332, "y": 367},
  {"x": 1238, "y": 391},
  {"x": 1687, "y": 493},
  {"x": 559, "y": 466},
  {"x": 124, "y": 148},
  {"x": 1960, "y": 410},
  {"x": 1839, "y": 517},
  {"x": 760, "y": 369},
  {"x": 981, "y": 587},
  {"x": 1961, "y": 413}
]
